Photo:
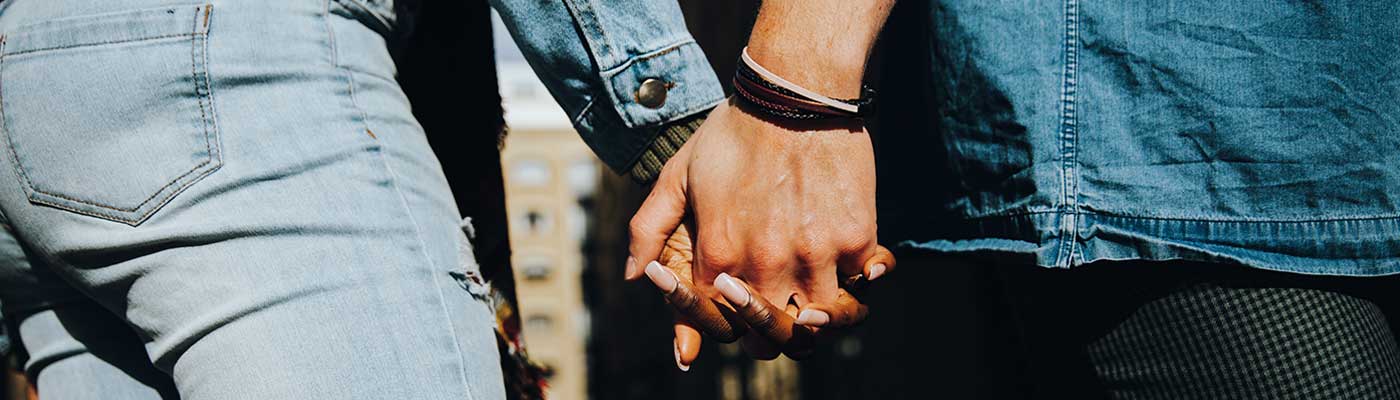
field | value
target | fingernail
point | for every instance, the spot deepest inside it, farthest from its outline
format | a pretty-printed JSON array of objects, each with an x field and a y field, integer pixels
[
  {"x": 663, "y": 279},
  {"x": 875, "y": 271},
  {"x": 732, "y": 290},
  {"x": 631, "y": 269},
  {"x": 677, "y": 347},
  {"x": 813, "y": 318}
]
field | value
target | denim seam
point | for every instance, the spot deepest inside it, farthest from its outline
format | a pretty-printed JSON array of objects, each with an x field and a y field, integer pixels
[
  {"x": 433, "y": 272},
  {"x": 628, "y": 63},
  {"x": 1008, "y": 214},
  {"x": 584, "y": 111},
  {"x": 213, "y": 142},
  {"x": 1088, "y": 214},
  {"x": 103, "y": 43},
  {"x": 195, "y": 47},
  {"x": 403, "y": 202},
  {"x": 348, "y": 74},
  {"x": 1247, "y": 221},
  {"x": 583, "y": 15},
  {"x": 1069, "y": 136}
]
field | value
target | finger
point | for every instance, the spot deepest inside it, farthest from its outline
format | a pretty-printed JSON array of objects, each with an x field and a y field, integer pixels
[
  {"x": 678, "y": 254},
  {"x": 846, "y": 311},
  {"x": 687, "y": 343},
  {"x": 764, "y": 319},
  {"x": 798, "y": 350},
  {"x": 657, "y": 218},
  {"x": 879, "y": 264},
  {"x": 704, "y": 313}
]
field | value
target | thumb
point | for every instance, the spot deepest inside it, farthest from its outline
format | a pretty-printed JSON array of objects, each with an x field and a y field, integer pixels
[{"x": 657, "y": 218}]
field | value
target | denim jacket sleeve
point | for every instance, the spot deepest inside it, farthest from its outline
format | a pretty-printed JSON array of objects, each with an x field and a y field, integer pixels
[{"x": 593, "y": 55}]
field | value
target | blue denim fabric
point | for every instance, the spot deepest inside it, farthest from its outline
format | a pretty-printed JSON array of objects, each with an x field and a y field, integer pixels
[
  {"x": 1257, "y": 132},
  {"x": 234, "y": 194},
  {"x": 593, "y": 56}
]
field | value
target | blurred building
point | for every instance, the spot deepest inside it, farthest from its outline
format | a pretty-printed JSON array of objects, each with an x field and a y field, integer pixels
[{"x": 550, "y": 175}]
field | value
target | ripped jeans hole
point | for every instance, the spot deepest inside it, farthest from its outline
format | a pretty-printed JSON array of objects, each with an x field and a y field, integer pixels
[{"x": 473, "y": 283}]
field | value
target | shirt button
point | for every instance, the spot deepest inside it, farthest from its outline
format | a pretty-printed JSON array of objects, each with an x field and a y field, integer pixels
[{"x": 652, "y": 93}]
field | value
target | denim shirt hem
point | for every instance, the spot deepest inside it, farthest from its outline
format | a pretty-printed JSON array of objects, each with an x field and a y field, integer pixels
[{"x": 1345, "y": 247}]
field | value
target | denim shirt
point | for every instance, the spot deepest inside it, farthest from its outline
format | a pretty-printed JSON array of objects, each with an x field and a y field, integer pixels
[
  {"x": 594, "y": 57},
  {"x": 1255, "y": 132}
]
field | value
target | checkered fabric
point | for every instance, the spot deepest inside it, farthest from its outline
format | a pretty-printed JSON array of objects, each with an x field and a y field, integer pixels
[{"x": 1216, "y": 342}]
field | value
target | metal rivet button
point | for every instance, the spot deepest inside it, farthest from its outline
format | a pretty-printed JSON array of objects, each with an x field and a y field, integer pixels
[{"x": 652, "y": 93}]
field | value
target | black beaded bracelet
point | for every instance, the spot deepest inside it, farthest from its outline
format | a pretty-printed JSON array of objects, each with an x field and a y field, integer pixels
[{"x": 774, "y": 96}]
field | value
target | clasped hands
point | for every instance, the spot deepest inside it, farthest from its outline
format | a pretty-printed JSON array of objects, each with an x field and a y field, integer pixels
[{"x": 761, "y": 230}]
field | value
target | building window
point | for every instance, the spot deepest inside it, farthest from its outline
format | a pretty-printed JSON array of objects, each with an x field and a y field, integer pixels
[
  {"x": 578, "y": 224},
  {"x": 530, "y": 172},
  {"x": 534, "y": 221},
  {"x": 537, "y": 324},
  {"x": 583, "y": 177},
  {"x": 536, "y": 271}
]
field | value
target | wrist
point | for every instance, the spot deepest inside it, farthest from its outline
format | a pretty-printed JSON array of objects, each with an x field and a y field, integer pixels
[
  {"x": 788, "y": 131},
  {"x": 835, "y": 74},
  {"x": 825, "y": 56}
]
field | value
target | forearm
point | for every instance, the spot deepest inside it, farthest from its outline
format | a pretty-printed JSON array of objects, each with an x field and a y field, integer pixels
[{"x": 821, "y": 45}]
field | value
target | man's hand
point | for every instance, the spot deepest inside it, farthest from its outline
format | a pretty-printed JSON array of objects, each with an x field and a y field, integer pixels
[{"x": 788, "y": 209}]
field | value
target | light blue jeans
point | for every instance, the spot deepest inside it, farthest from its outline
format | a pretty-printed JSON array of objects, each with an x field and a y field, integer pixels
[{"x": 227, "y": 200}]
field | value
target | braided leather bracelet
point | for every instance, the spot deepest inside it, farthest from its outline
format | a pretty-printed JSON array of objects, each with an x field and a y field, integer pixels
[{"x": 775, "y": 96}]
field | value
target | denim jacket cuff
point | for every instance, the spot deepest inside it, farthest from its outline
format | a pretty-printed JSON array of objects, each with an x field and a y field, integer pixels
[{"x": 691, "y": 85}]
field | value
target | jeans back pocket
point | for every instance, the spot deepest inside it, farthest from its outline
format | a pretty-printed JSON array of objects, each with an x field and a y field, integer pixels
[{"x": 110, "y": 115}]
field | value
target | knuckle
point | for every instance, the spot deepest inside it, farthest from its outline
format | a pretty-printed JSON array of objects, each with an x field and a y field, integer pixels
[
  {"x": 635, "y": 230},
  {"x": 639, "y": 228},
  {"x": 814, "y": 255},
  {"x": 684, "y": 300},
  {"x": 762, "y": 320},
  {"x": 852, "y": 242},
  {"x": 768, "y": 256},
  {"x": 721, "y": 330}
]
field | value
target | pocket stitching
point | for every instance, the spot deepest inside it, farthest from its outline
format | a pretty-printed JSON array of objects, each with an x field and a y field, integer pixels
[
  {"x": 93, "y": 44},
  {"x": 198, "y": 50}
]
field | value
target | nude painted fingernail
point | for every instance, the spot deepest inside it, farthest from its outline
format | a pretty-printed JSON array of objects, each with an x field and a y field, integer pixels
[
  {"x": 732, "y": 290},
  {"x": 631, "y": 269},
  {"x": 663, "y": 279},
  {"x": 682, "y": 366},
  {"x": 875, "y": 271},
  {"x": 813, "y": 318}
]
